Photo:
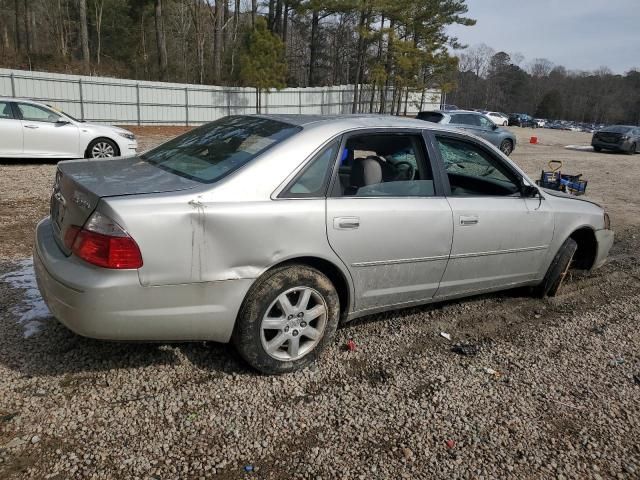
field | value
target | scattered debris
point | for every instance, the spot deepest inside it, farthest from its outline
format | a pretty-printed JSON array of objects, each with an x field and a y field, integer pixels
[
  {"x": 445, "y": 335},
  {"x": 616, "y": 361},
  {"x": 636, "y": 378},
  {"x": 491, "y": 371},
  {"x": 351, "y": 345},
  {"x": 467, "y": 349},
  {"x": 599, "y": 329},
  {"x": 450, "y": 443},
  {"x": 248, "y": 468}
]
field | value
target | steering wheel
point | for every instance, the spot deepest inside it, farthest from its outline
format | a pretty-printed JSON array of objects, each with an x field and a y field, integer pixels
[{"x": 408, "y": 170}]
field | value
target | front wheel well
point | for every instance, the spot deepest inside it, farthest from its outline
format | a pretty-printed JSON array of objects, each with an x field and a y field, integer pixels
[
  {"x": 585, "y": 255},
  {"x": 87, "y": 152},
  {"x": 332, "y": 272}
]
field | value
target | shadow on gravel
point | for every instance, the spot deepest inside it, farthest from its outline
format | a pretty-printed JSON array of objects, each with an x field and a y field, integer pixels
[{"x": 30, "y": 161}]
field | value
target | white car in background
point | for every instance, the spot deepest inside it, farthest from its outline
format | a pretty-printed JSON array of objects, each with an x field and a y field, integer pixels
[
  {"x": 31, "y": 129},
  {"x": 498, "y": 118}
]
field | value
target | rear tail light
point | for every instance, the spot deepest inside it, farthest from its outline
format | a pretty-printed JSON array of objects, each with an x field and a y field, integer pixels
[{"x": 104, "y": 243}]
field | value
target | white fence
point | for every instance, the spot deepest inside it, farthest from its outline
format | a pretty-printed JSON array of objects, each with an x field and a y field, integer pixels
[{"x": 131, "y": 102}]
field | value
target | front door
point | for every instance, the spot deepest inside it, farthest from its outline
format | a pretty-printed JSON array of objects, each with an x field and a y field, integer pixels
[
  {"x": 10, "y": 132},
  {"x": 387, "y": 219},
  {"x": 500, "y": 238},
  {"x": 44, "y": 136}
]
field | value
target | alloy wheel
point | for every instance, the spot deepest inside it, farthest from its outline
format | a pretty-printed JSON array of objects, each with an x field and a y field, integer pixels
[
  {"x": 293, "y": 324},
  {"x": 102, "y": 150}
]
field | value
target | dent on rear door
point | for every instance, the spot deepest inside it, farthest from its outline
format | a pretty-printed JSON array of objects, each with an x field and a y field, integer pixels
[{"x": 197, "y": 240}]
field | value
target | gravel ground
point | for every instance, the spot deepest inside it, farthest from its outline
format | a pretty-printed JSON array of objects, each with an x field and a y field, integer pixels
[{"x": 553, "y": 392}]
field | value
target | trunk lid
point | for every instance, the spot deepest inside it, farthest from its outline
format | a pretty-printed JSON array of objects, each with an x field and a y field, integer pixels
[{"x": 80, "y": 184}]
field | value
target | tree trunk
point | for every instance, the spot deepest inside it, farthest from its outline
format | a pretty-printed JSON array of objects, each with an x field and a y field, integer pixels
[
  {"x": 161, "y": 41},
  {"x": 277, "y": 20},
  {"x": 218, "y": 41},
  {"x": 285, "y": 25},
  {"x": 360, "y": 62},
  {"x": 271, "y": 14},
  {"x": 16, "y": 5},
  {"x": 313, "y": 48},
  {"x": 84, "y": 36},
  {"x": 99, "y": 7},
  {"x": 254, "y": 12},
  {"x": 27, "y": 28},
  {"x": 387, "y": 67}
]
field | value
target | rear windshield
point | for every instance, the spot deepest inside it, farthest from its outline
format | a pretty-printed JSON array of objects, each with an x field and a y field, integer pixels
[
  {"x": 216, "y": 149},
  {"x": 433, "y": 117},
  {"x": 617, "y": 129}
]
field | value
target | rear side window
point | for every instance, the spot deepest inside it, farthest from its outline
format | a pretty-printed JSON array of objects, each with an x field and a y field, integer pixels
[
  {"x": 433, "y": 117},
  {"x": 5, "y": 110},
  {"x": 213, "y": 151},
  {"x": 313, "y": 180}
]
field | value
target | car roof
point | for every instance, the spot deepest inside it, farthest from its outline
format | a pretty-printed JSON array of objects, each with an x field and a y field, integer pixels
[
  {"x": 356, "y": 120},
  {"x": 16, "y": 99}
]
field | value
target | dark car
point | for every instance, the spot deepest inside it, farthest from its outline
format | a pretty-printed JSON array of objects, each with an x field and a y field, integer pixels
[
  {"x": 522, "y": 120},
  {"x": 621, "y": 138},
  {"x": 473, "y": 122}
]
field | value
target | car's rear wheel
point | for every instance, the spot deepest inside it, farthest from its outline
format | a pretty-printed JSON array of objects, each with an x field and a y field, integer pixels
[
  {"x": 506, "y": 147},
  {"x": 287, "y": 319},
  {"x": 597, "y": 149},
  {"x": 102, "y": 148},
  {"x": 557, "y": 270}
]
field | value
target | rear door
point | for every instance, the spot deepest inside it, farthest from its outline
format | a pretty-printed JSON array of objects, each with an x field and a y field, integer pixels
[
  {"x": 388, "y": 220},
  {"x": 500, "y": 238},
  {"x": 10, "y": 131},
  {"x": 44, "y": 137}
]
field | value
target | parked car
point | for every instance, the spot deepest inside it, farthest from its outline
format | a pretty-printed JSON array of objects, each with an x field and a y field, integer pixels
[
  {"x": 522, "y": 120},
  {"x": 34, "y": 130},
  {"x": 476, "y": 123},
  {"x": 268, "y": 230},
  {"x": 540, "y": 122},
  {"x": 622, "y": 138},
  {"x": 498, "y": 118},
  {"x": 448, "y": 106}
]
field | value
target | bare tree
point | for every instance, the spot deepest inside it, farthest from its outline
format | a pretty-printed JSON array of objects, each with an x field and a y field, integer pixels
[
  {"x": 161, "y": 41},
  {"x": 84, "y": 35}
]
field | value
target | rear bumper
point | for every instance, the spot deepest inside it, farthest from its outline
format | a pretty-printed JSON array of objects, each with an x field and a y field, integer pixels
[
  {"x": 111, "y": 304},
  {"x": 620, "y": 147},
  {"x": 605, "y": 241}
]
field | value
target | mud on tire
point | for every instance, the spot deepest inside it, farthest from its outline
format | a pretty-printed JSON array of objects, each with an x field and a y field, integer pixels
[
  {"x": 264, "y": 294},
  {"x": 557, "y": 270}
]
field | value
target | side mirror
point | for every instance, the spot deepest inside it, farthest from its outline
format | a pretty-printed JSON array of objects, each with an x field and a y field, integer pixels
[
  {"x": 494, "y": 127},
  {"x": 61, "y": 121},
  {"x": 528, "y": 191}
]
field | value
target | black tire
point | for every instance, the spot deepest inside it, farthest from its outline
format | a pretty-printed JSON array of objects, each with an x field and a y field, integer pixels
[
  {"x": 106, "y": 143},
  {"x": 557, "y": 270},
  {"x": 632, "y": 149},
  {"x": 597, "y": 149},
  {"x": 247, "y": 336},
  {"x": 506, "y": 147}
]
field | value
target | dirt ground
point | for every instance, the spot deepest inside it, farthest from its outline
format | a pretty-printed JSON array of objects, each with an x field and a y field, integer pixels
[{"x": 563, "y": 401}]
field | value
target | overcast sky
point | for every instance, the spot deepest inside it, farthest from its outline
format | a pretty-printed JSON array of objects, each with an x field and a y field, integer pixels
[{"x": 579, "y": 34}]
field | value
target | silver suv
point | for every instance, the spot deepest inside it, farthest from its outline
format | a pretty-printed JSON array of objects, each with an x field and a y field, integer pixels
[{"x": 476, "y": 123}]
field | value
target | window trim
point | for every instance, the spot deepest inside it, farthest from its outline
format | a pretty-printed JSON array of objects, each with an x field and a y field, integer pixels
[
  {"x": 445, "y": 177},
  {"x": 425, "y": 160}
]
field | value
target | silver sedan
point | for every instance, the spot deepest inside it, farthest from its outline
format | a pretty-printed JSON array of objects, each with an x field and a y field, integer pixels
[{"x": 268, "y": 231}]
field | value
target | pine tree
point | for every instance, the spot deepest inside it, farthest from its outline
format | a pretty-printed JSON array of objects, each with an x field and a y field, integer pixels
[{"x": 262, "y": 64}]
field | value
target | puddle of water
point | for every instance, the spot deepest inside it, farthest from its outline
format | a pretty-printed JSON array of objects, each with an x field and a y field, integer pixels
[{"x": 32, "y": 311}]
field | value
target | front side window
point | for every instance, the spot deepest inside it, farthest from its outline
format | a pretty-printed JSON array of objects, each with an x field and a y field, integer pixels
[
  {"x": 312, "y": 182},
  {"x": 216, "y": 149},
  {"x": 36, "y": 113},
  {"x": 473, "y": 171},
  {"x": 5, "y": 110},
  {"x": 384, "y": 165}
]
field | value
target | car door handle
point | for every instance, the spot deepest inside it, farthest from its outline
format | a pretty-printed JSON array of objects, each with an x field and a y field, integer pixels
[
  {"x": 346, "y": 223},
  {"x": 468, "y": 220},
  {"x": 31, "y": 126}
]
